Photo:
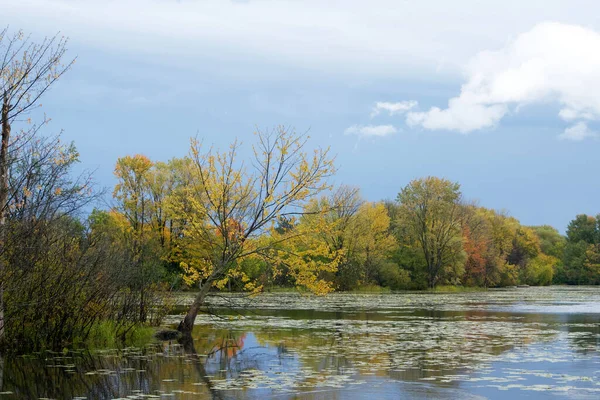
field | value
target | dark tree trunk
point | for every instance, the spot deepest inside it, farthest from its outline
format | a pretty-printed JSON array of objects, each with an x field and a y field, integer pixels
[
  {"x": 142, "y": 305},
  {"x": 187, "y": 324},
  {"x": 3, "y": 199}
]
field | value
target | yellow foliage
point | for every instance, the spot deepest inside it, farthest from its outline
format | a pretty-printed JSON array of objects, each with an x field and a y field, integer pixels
[{"x": 230, "y": 210}]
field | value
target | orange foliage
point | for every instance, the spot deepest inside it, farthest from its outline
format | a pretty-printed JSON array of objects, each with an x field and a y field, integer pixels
[
  {"x": 476, "y": 249},
  {"x": 233, "y": 230}
]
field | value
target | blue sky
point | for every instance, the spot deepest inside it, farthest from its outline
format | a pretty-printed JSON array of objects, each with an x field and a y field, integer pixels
[{"x": 497, "y": 95}]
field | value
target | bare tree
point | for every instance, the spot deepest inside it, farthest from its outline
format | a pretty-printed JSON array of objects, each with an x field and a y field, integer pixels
[{"x": 27, "y": 70}]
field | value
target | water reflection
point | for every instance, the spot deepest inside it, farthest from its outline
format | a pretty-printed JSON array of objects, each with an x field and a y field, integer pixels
[{"x": 346, "y": 346}]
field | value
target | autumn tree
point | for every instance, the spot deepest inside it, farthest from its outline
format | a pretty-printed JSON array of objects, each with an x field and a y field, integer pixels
[
  {"x": 232, "y": 204},
  {"x": 358, "y": 231},
  {"x": 430, "y": 210},
  {"x": 375, "y": 243},
  {"x": 476, "y": 249},
  {"x": 590, "y": 273},
  {"x": 502, "y": 252},
  {"x": 141, "y": 209},
  {"x": 476, "y": 240},
  {"x": 332, "y": 218},
  {"x": 162, "y": 181},
  {"x": 27, "y": 70},
  {"x": 299, "y": 255},
  {"x": 552, "y": 244}
]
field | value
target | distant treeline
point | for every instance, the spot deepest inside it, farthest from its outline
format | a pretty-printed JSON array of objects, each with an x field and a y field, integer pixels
[{"x": 428, "y": 236}]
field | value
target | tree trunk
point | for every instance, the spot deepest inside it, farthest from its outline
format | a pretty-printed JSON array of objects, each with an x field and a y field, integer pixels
[
  {"x": 187, "y": 324},
  {"x": 3, "y": 200},
  {"x": 142, "y": 304}
]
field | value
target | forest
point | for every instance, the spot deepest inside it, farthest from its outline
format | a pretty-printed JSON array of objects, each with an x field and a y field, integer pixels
[{"x": 73, "y": 271}]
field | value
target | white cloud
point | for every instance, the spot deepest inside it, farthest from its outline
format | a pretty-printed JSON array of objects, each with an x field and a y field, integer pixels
[
  {"x": 577, "y": 132},
  {"x": 551, "y": 63},
  {"x": 459, "y": 116},
  {"x": 371, "y": 130},
  {"x": 393, "y": 108}
]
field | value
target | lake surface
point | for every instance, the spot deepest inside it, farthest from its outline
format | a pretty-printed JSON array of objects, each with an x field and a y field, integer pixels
[{"x": 516, "y": 343}]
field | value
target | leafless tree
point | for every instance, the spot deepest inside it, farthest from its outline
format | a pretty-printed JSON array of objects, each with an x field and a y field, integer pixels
[{"x": 27, "y": 70}]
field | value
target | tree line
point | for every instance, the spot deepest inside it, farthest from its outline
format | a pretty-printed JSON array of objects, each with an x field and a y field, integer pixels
[{"x": 428, "y": 236}]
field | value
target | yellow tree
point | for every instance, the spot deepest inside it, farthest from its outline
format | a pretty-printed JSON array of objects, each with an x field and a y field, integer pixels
[
  {"x": 338, "y": 213},
  {"x": 179, "y": 212},
  {"x": 356, "y": 231},
  {"x": 131, "y": 192},
  {"x": 374, "y": 240},
  {"x": 161, "y": 182},
  {"x": 232, "y": 205},
  {"x": 301, "y": 253},
  {"x": 144, "y": 194},
  {"x": 134, "y": 202}
]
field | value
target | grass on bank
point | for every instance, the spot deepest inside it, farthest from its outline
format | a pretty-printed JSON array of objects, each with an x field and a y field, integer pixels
[{"x": 105, "y": 335}]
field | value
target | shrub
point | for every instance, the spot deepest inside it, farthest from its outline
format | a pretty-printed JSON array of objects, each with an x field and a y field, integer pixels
[{"x": 393, "y": 277}]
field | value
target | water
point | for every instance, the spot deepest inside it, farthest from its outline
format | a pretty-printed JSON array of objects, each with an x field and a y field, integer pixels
[{"x": 518, "y": 343}]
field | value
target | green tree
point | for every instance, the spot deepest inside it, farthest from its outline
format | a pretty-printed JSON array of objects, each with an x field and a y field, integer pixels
[
  {"x": 552, "y": 242},
  {"x": 580, "y": 250},
  {"x": 540, "y": 270},
  {"x": 583, "y": 228},
  {"x": 591, "y": 266},
  {"x": 407, "y": 257},
  {"x": 574, "y": 260},
  {"x": 430, "y": 209}
]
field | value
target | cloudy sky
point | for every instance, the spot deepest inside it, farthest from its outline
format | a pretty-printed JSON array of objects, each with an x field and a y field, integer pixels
[{"x": 498, "y": 95}]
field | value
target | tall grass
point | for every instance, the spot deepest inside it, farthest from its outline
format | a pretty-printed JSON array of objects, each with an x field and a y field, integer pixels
[{"x": 105, "y": 335}]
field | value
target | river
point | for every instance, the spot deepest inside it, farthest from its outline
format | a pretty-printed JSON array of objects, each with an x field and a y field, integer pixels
[{"x": 514, "y": 343}]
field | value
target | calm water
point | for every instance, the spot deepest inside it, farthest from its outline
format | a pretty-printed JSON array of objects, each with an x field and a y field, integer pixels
[{"x": 518, "y": 343}]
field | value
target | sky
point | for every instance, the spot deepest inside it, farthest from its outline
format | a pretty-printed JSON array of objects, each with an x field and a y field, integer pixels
[{"x": 501, "y": 96}]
